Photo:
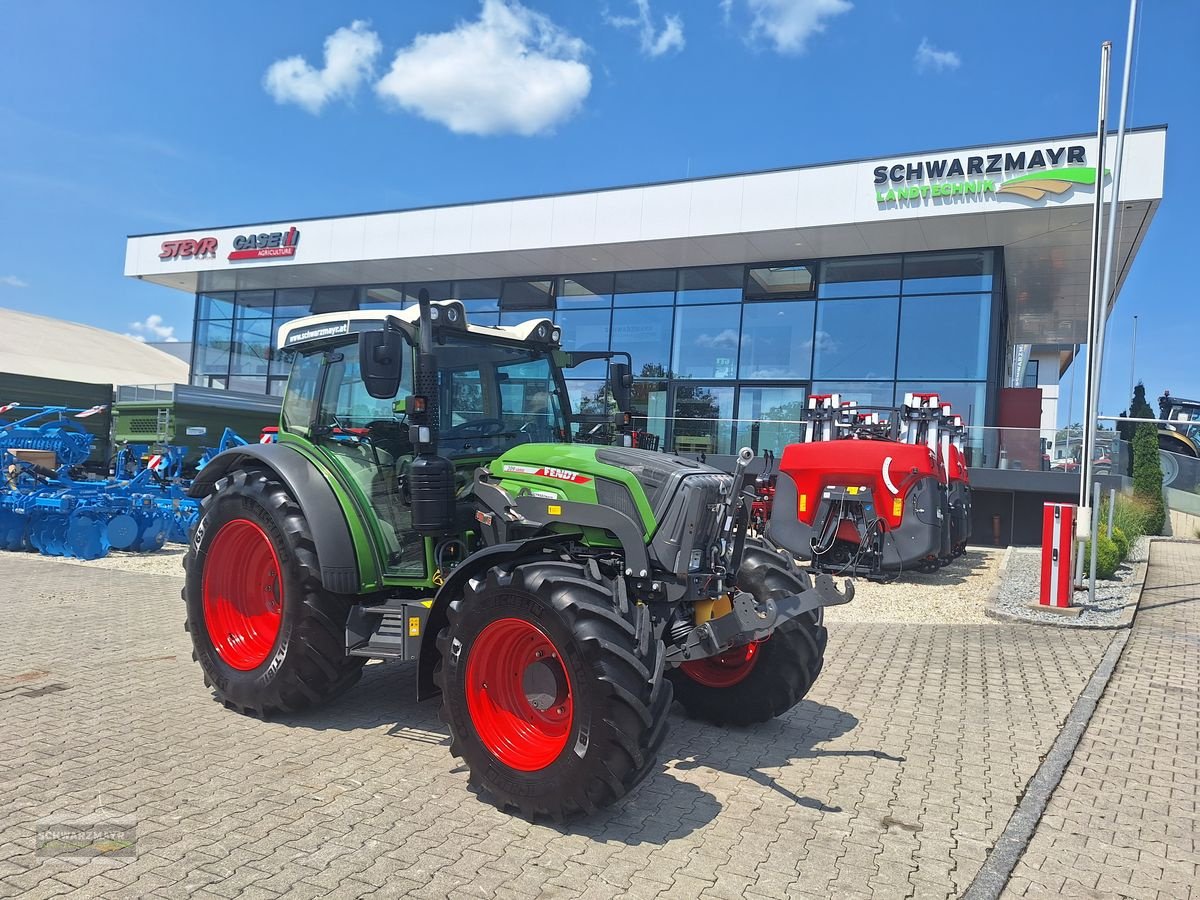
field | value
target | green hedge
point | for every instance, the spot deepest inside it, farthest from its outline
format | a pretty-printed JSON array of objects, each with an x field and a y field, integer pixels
[
  {"x": 1147, "y": 477},
  {"x": 1107, "y": 557},
  {"x": 1121, "y": 541}
]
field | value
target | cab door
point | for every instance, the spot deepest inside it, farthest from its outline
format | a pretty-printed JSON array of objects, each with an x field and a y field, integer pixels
[{"x": 366, "y": 441}]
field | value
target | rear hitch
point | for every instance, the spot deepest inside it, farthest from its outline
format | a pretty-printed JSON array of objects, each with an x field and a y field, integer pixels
[{"x": 753, "y": 620}]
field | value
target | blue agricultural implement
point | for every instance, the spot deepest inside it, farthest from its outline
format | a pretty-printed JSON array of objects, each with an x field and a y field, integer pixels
[{"x": 46, "y": 505}]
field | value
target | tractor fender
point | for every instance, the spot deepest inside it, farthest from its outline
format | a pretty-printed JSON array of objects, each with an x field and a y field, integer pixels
[
  {"x": 453, "y": 588},
  {"x": 1174, "y": 442},
  {"x": 326, "y": 519}
]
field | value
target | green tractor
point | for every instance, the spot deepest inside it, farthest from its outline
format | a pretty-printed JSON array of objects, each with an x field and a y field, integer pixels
[{"x": 425, "y": 502}]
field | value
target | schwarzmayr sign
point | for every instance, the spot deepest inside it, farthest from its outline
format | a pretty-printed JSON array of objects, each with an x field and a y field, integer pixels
[{"x": 1053, "y": 170}]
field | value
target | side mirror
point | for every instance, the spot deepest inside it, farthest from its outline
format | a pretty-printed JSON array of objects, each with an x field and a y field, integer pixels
[
  {"x": 620, "y": 379},
  {"x": 379, "y": 356}
]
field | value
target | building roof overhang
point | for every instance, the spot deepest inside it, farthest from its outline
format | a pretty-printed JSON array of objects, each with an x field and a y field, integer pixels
[{"x": 1043, "y": 223}]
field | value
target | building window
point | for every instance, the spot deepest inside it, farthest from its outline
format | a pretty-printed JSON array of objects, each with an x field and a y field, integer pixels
[
  {"x": 646, "y": 335},
  {"x": 706, "y": 341},
  {"x": 945, "y": 336},
  {"x": 293, "y": 303},
  {"x": 703, "y": 419},
  {"x": 211, "y": 348},
  {"x": 776, "y": 413},
  {"x": 856, "y": 339},
  {"x": 1031, "y": 374},
  {"x": 534, "y": 294},
  {"x": 585, "y": 329},
  {"x": 438, "y": 290},
  {"x": 655, "y": 287},
  {"x": 777, "y": 340},
  {"x": 214, "y": 306},
  {"x": 711, "y": 284},
  {"x": 335, "y": 299},
  {"x": 944, "y": 273},
  {"x": 783, "y": 282},
  {"x": 864, "y": 393},
  {"x": 387, "y": 295},
  {"x": 478, "y": 296},
  {"x": 585, "y": 291},
  {"x": 870, "y": 276},
  {"x": 966, "y": 398}
]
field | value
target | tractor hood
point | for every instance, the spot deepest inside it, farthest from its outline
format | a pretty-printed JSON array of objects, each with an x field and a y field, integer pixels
[{"x": 638, "y": 483}]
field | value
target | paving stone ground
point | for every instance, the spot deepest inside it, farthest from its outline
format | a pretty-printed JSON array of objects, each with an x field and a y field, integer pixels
[
  {"x": 892, "y": 779},
  {"x": 1125, "y": 819}
]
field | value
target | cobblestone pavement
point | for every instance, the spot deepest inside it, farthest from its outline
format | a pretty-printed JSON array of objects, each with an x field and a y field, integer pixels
[
  {"x": 892, "y": 778},
  {"x": 1125, "y": 819}
]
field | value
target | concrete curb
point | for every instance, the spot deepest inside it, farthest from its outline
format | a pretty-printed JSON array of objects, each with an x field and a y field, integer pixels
[
  {"x": 1137, "y": 584},
  {"x": 1002, "y": 859}
]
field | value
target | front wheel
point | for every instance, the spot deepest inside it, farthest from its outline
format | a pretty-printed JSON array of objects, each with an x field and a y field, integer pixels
[
  {"x": 755, "y": 682},
  {"x": 552, "y": 685}
]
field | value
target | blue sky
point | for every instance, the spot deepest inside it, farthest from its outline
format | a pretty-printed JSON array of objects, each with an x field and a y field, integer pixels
[{"x": 149, "y": 117}]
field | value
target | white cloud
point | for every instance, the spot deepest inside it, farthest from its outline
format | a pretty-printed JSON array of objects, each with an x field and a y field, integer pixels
[
  {"x": 654, "y": 43},
  {"x": 350, "y": 55},
  {"x": 153, "y": 329},
  {"x": 788, "y": 24},
  {"x": 510, "y": 71},
  {"x": 930, "y": 57},
  {"x": 13, "y": 281}
]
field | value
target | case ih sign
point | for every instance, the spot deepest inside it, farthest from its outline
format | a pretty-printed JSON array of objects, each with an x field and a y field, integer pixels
[
  {"x": 190, "y": 248},
  {"x": 266, "y": 246}
]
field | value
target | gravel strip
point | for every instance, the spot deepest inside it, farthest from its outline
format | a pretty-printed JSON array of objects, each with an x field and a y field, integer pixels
[
  {"x": 1020, "y": 586},
  {"x": 167, "y": 561},
  {"x": 953, "y": 595}
]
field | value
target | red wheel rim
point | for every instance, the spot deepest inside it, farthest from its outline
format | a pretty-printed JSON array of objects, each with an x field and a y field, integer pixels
[
  {"x": 243, "y": 594},
  {"x": 730, "y": 668},
  {"x": 519, "y": 696}
]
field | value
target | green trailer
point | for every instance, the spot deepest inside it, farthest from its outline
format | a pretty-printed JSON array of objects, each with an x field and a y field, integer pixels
[{"x": 188, "y": 416}]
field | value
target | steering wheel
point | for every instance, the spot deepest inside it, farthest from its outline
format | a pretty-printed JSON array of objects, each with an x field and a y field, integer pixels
[{"x": 476, "y": 428}]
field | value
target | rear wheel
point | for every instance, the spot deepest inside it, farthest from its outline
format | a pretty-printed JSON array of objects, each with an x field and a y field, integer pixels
[
  {"x": 267, "y": 635},
  {"x": 552, "y": 685},
  {"x": 755, "y": 682}
]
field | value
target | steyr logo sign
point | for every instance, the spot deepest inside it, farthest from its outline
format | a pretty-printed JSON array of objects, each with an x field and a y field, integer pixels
[
  {"x": 267, "y": 245},
  {"x": 1043, "y": 173},
  {"x": 189, "y": 248}
]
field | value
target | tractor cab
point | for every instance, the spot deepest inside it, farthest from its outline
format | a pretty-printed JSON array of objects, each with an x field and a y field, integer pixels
[{"x": 352, "y": 397}]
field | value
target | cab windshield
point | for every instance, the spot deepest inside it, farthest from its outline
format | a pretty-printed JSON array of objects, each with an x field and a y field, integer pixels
[{"x": 494, "y": 396}]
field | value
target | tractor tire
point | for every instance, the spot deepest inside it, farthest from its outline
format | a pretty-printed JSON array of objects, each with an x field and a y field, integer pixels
[
  {"x": 269, "y": 638},
  {"x": 756, "y": 682},
  {"x": 552, "y": 686}
]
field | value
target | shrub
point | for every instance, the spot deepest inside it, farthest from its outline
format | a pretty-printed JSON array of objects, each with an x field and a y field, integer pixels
[
  {"x": 1122, "y": 543},
  {"x": 1129, "y": 515},
  {"x": 1147, "y": 477},
  {"x": 1107, "y": 558}
]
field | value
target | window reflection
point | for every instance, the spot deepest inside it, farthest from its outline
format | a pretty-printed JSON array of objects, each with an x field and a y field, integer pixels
[
  {"x": 871, "y": 276},
  {"x": 706, "y": 341},
  {"x": 646, "y": 335},
  {"x": 578, "y": 291},
  {"x": 776, "y": 411},
  {"x": 777, "y": 340},
  {"x": 958, "y": 322},
  {"x": 864, "y": 393},
  {"x": 856, "y": 338},
  {"x": 585, "y": 329},
  {"x": 780, "y": 282},
  {"x": 651, "y": 288},
  {"x": 940, "y": 273},
  {"x": 703, "y": 421},
  {"x": 711, "y": 284}
]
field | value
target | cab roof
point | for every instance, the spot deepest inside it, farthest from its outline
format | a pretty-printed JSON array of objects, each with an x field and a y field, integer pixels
[{"x": 326, "y": 326}]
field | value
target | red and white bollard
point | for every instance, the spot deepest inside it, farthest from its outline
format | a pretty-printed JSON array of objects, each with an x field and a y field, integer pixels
[{"x": 1058, "y": 544}]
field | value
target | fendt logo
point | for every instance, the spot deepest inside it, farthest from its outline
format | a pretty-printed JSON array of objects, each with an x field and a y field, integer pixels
[
  {"x": 189, "y": 248},
  {"x": 266, "y": 245}
]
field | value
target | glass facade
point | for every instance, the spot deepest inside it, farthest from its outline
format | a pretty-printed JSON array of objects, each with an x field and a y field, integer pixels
[{"x": 724, "y": 356}]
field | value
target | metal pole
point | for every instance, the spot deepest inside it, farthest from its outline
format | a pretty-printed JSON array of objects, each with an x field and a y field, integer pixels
[
  {"x": 1106, "y": 284},
  {"x": 1112, "y": 502},
  {"x": 1095, "y": 309},
  {"x": 1132, "y": 360},
  {"x": 1095, "y": 540}
]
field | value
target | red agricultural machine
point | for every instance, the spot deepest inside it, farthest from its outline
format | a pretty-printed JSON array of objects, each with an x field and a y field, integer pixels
[{"x": 866, "y": 496}]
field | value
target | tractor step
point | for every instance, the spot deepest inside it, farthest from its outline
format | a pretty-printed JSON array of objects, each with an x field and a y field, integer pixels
[{"x": 390, "y": 630}]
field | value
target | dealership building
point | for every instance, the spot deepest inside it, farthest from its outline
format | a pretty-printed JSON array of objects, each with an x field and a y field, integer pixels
[{"x": 962, "y": 271}]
